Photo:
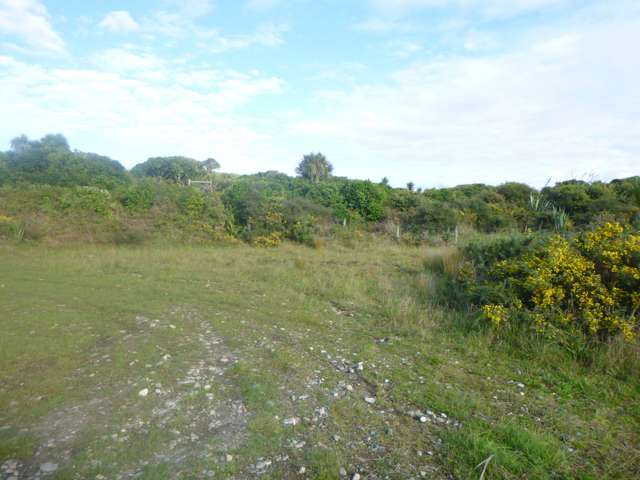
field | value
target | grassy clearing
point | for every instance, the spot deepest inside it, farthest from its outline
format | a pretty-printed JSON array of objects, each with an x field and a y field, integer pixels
[{"x": 293, "y": 325}]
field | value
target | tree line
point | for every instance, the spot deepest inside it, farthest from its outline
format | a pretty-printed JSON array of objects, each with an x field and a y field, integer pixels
[{"x": 274, "y": 206}]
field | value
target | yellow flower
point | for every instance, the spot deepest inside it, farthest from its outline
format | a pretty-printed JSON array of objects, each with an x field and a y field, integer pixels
[{"x": 497, "y": 314}]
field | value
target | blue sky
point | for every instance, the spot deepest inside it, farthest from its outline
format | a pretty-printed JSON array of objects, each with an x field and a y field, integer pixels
[{"x": 438, "y": 92}]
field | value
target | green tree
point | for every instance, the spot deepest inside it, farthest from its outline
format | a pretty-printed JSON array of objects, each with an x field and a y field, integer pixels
[
  {"x": 211, "y": 164},
  {"x": 50, "y": 160},
  {"x": 314, "y": 167},
  {"x": 4, "y": 171},
  {"x": 175, "y": 169}
]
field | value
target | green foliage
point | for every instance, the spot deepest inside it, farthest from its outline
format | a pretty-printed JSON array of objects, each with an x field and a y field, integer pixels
[
  {"x": 138, "y": 197},
  {"x": 628, "y": 189},
  {"x": 585, "y": 285},
  {"x": 305, "y": 207},
  {"x": 586, "y": 202},
  {"x": 245, "y": 201},
  {"x": 50, "y": 161},
  {"x": 211, "y": 164},
  {"x": 430, "y": 216},
  {"x": 364, "y": 198},
  {"x": 175, "y": 169},
  {"x": 516, "y": 193},
  {"x": 314, "y": 167},
  {"x": 484, "y": 251},
  {"x": 4, "y": 170},
  {"x": 88, "y": 200}
]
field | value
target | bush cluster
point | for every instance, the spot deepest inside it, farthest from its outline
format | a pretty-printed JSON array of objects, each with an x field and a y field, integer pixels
[
  {"x": 44, "y": 179},
  {"x": 560, "y": 285}
]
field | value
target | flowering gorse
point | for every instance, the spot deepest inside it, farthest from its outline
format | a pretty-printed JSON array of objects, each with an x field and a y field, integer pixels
[{"x": 591, "y": 283}]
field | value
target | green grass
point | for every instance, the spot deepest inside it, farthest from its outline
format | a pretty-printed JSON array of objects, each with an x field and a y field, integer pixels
[{"x": 288, "y": 316}]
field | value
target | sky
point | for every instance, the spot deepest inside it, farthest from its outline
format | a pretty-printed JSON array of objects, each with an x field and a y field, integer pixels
[{"x": 437, "y": 92}]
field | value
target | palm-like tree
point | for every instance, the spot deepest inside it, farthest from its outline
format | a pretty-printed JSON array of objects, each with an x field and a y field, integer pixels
[{"x": 314, "y": 167}]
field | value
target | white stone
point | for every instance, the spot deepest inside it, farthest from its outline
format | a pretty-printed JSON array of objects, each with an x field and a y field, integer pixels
[
  {"x": 144, "y": 392},
  {"x": 49, "y": 467}
]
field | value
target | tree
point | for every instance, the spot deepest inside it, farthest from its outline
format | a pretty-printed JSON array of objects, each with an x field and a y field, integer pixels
[
  {"x": 410, "y": 186},
  {"x": 20, "y": 143},
  {"x": 211, "y": 164},
  {"x": 175, "y": 169},
  {"x": 314, "y": 167},
  {"x": 50, "y": 160}
]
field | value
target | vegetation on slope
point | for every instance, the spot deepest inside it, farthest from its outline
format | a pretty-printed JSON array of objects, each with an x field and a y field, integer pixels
[{"x": 505, "y": 317}]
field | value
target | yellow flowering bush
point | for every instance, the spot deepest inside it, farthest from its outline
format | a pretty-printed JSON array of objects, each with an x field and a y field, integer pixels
[
  {"x": 7, "y": 224},
  {"x": 273, "y": 239},
  {"x": 590, "y": 283},
  {"x": 497, "y": 314}
]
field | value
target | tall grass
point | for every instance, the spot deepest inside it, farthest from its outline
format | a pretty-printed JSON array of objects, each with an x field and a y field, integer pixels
[{"x": 445, "y": 260}]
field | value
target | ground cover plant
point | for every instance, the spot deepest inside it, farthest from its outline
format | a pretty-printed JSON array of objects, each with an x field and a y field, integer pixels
[{"x": 286, "y": 363}]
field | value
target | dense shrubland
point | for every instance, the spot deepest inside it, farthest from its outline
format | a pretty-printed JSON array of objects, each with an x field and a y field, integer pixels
[
  {"x": 563, "y": 286},
  {"x": 562, "y": 261}
]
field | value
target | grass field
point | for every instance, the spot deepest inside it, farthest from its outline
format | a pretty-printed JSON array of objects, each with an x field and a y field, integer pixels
[{"x": 239, "y": 362}]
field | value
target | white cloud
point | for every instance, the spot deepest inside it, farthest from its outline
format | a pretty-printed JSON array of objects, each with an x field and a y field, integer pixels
[
  {"x": 267, "y": 35},
  {"x": 405, "y": 48},
  {"x": 132, "y": 117},
  {"x": 182, "y": 22},
  {"x": 491, "y": 8},
  {"x": 261, "y": 5},
  {"x": 562, "y": 106},
  {"x": 28, "y": 20},
  {"x": 127, "y": 60},
  {"x": 342, "y": 72},
  {"x": 119, "y": 21},
  {"x": 378, "y": 25}
]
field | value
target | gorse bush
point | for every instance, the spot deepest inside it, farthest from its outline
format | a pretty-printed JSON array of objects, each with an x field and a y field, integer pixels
[
  {"x": 589, "y": 283},
  {"x": 7, "y": 226}
]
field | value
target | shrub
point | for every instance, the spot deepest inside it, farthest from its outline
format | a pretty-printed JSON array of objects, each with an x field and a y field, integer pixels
[
  {"x": 273, "y": 239},
  {"x": 88, "y": 200},
  {"x": 7, "y": 225},
  {"x": 364, "y": 198},
  {"x": 486, "y": 250},
  {"x": 138, "y": 197},
  {"x": 589, "y": 284}
]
